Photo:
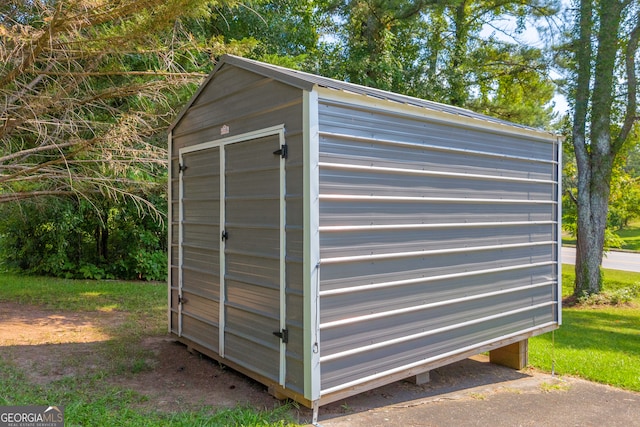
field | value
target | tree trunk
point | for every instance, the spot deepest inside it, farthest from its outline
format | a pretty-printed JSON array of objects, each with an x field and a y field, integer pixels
[
  {"x": 105, "y": 243},
  {"x": 594, "y": 146},
  {"x": 593, "y": 207},
  {"x": 102, "y": 236},
  {"x": 457, "y": 85}
]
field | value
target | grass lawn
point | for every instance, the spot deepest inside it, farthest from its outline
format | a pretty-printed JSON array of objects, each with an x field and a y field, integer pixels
[
  {"x": 135, "y": 298},
  {"x": 599, "y": 344},
  {"x": 631, "y": 236},
  {"x": 89, "y": 399},
  {"x": 596, "y": 343}
]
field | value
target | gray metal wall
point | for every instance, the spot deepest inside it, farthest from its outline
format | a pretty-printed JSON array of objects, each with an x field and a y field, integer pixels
[
  {"x": 252, "y": 255},
  {"x": 434, "y": 239},
  {"x": 244, "y": 102},
  {"x": 200, "y": 250}
]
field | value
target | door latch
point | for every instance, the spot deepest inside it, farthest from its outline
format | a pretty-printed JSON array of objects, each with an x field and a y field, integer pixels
[
  {"x": 283, "y": 335},
  {"x": 224, "y": 236},
  {"x": 282, "y": 152}
]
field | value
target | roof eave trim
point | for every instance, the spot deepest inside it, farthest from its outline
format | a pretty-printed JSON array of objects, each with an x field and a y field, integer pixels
[{"x": 270, "y": 71}]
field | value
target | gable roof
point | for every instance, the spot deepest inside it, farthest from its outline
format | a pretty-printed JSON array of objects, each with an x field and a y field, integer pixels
[{"x": 308, "y": 81}]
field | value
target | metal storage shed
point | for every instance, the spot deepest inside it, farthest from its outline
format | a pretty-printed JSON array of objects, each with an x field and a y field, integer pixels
[{"x": 328, "y": 238}]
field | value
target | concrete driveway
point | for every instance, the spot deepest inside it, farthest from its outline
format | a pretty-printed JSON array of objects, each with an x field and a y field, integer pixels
[{"x": 474, "y": 392}]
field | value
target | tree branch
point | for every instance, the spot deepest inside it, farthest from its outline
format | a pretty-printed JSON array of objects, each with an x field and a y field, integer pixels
[
  {"x": 632, "y": 87},
  {"x": 583, "y": 53},
  {"x": 35, "y": 150},
  {"x": 572, "y": 196},
  {"x": 121, "y": 73}
]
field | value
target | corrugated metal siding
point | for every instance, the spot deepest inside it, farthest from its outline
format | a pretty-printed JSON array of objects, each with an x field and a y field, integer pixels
[
  {"x": 174, "y": 207},
  {"x": 252, "y": 254},
  {"x": 246, "y": 102},
  {"x": 294, "y": 258},
  {"x": 433, "y": 238},
  {"x": 201, "y": 247},
  {"x": 241, "y": 100},
  {"x": 423, "y": 348}
]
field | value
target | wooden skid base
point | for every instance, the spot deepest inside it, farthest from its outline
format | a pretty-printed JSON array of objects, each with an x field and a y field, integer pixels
[
  {"x": 417, "y": 370},
  {"x": 514, "y": 355},
  {"x": 513, "y": 347}
]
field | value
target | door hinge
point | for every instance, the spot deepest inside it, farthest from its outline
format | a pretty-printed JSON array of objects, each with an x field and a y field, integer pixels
[
  {"x": 283, "y": 335},
  {"x": 282, "y": 152},
  {"x": 182, "y": 168},
  {"x": 181, "y": 299},
  {"x": 224, "y": 235}
]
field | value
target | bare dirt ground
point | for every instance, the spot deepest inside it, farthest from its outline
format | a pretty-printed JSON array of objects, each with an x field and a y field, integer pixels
[
  {"x": 50, "y": 345},
  {"x": 181, "y": 380}
]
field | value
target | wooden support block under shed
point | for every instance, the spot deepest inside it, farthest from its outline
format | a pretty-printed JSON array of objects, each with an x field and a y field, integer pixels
[
  {"x": 514, "y": 355},
  {"x": 277, "y": 392}
]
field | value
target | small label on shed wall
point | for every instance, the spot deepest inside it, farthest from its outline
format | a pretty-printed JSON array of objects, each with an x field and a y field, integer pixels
[{"x": 224, "y": 130}]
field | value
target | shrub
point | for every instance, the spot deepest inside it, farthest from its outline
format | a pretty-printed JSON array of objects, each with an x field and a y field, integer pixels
[
  {"x": 613, "y": 297},
  {"x": 77, "y": 239}
]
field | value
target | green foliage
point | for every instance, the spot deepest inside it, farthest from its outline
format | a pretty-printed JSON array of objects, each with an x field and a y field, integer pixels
[
  {"x": 88, "y": 89},
  {"x": 614, "y": 297},
  {"x": 78, "y": 239},
  {"x": 282, "y": 32},
  {"x": 89, "y": 271},
  {"x": 437, "y": 51},
  {"x": 512, "y": 84},
  {"x": 624, "y": 208},
  {"x": 615, "y": 282},
  {"x": 103, "y": 88},
  {"x": 624, "y": 199}
]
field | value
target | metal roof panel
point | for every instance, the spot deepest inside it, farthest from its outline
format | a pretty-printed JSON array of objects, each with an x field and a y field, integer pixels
[{"x": 307, "y": 81}]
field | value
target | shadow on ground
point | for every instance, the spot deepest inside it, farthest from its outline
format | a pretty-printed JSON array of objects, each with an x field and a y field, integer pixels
[{"x": 451, "y": 380}]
